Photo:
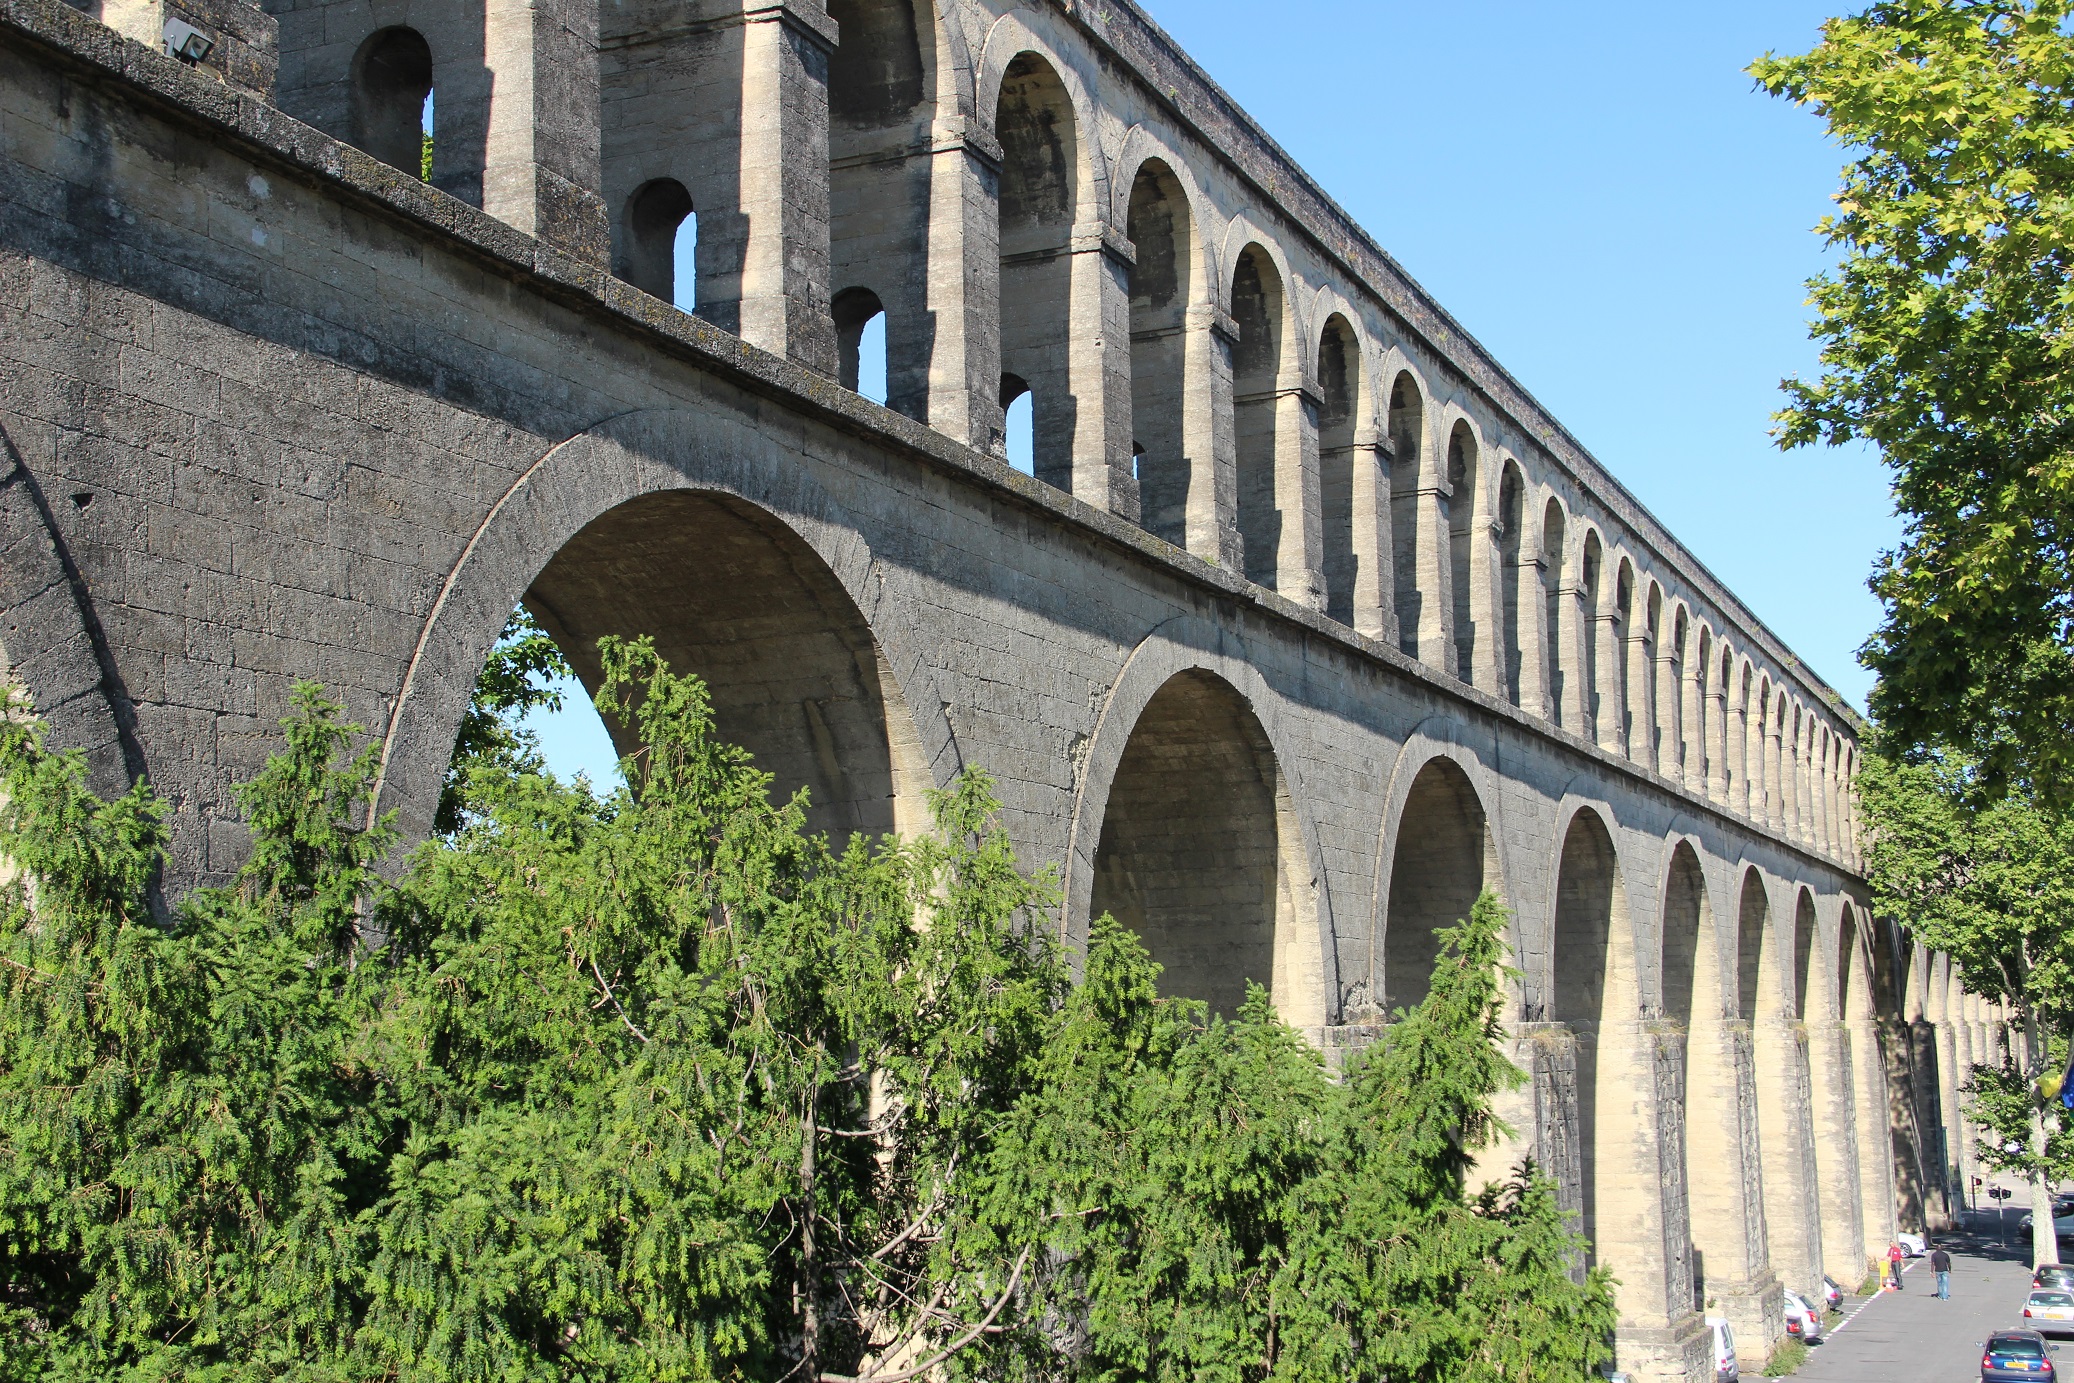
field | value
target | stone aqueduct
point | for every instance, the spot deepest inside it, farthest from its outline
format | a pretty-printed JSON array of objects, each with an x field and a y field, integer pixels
[{"x": 1309, "y": 624}]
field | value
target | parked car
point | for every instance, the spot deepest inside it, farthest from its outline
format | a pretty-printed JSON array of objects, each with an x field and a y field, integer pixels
[
  {"x": 2060, "y": 1275},
  {"x": 1912, "y": 1244},
  {"x": 2016, "y": 1356},
  {"x": 2062, "y": 1225},
  {"x": 1833, "y": 1295},
  {"x": 1803, "y": 1321},
  {"x": 1725, "y": 1367},
  {"x": 2050, "y": 1310}
]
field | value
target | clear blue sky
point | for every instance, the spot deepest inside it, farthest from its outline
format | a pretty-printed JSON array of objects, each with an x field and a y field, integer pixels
[{"x": 1595, "y": 191}]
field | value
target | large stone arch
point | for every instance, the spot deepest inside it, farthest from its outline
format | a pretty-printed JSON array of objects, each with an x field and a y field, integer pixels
[
  {"x": 1438, "y": 849},
  {"x": 1195, "y": 659},
  {"x": 729, "y": 475},
  {"x": 1631, "y": 1207},
  {"x": 51, "y": 644},
  {"x": 1723, "y": 1185}
]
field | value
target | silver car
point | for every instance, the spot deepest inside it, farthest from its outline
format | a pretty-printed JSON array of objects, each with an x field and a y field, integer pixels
[
  {"x": 1725, "y": 1368},
  {"x": 1803, "y": 1321}
]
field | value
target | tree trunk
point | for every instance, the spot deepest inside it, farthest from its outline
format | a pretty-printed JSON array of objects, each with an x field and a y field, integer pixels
[
  {"x": 809, "y": 1271},
  {"x": 2045, "y": 1239}
]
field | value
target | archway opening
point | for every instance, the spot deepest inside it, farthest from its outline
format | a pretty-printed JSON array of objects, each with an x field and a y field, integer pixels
[
  {"x": 730, "y": 593},
  {"x": 1162, "y": 289},
  {"x": 1018, "y": 424},
  {"x": 881, "y": 101},
  {"x": 1804, "y": 958},
  {"x": 1199, "y": 853},
  {"x": 1756, "y": 987},
  {"x": 1407, "y": 463},
  {"x": 1339, "y": 392},
  {"x": 860, "y": 342},
  {"x": 658, "y": 243},
  {"x": 391, "y": 98},
  {"x": 1558, "y": 622},
  {"x": 1465, "y": 572},
  {"x": 1780, "y": 1066},
  {"x": 1257, "y": 306},
  {"x": 1594, "y": 995},
  {"x": 1597, "y": 710},
  {"x": 1711, "y": 1159},
  {"x": 1040, "y": 158},
  {"x": 1514, "y": 576},
  {"x": 1440, "y": 864},
  {"x": 1621, "y": 714}
]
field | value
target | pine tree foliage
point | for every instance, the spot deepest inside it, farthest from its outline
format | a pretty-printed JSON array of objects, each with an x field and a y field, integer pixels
[{"x": 659, "y": 1085}]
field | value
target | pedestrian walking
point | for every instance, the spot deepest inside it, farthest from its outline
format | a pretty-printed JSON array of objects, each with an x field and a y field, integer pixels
[
  {"x": 1894, "y": 1263},
  {"x": 1941, "y": 1264}
]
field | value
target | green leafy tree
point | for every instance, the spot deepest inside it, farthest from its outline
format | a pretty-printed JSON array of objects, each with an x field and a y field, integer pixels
[
  {"x": 520, "y": 675},
  {"x": 1222, "y": 1210},
  {"x": 1989, "y": 881},
  {"x": 1945, "y": 331},
  {"x": 660, "y": 1085}
]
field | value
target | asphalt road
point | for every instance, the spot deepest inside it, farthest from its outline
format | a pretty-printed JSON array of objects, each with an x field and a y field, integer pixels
[{"x": 1912, "y": 1337}]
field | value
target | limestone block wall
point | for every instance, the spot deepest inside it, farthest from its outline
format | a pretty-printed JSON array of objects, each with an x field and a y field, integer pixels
[{"x": 1347, "y": 631}]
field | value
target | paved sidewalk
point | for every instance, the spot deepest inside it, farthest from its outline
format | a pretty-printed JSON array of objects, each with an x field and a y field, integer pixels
[{"x": 1912, "y": 1337}]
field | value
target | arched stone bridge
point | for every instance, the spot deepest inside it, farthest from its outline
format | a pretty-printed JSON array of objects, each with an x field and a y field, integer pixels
[{"x": 1309, "y": 623}]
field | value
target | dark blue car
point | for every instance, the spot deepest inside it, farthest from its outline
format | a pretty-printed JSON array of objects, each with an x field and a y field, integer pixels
[{"x": 2016, "y": 1356}]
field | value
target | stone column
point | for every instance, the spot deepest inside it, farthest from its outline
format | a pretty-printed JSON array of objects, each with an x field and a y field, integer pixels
[
  {"x": 1954, "y": 1169},
  {"x": 1792, "y": 1226},
  {"x": 1837, "y": 1156},
  {"x": 1875, "y": 1151},
  {"x": 1300, "y": 563},
  {"x": 1725, "y": 1182},
  {"x": 242, "y": 41},
  {"x": 1909, "y": 1205},
  {"x": 1213, "y": 441},
  {"x": 1374, "y": 563},
  {"x": 1431, "y": 576},
  {"x": 1606, "y": 636},
  {"x": 1529, "y": 580},
  {"x": 541, "y": 169},
  {"x": 1772, "y": 750},
  {"x": 1673, "y": 740},
  {"x": 964, "y": 284},
  {"x": 1641, "y": 1229},
  {"x": 1965, "y": 1049},
  {"x": 1715, "y": 714},
  {"x": 1745, "y": 796},
  {"x": 1572, "y": 617},
  {"x": 784, "y": 181},
  {"x": 1924, "y": 1064},
  {"x": 1639, "y": 718},
  {"x": 1098, "y": 373}
]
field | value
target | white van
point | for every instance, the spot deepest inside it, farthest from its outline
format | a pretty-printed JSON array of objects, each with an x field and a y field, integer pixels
[{"x": 1725, "y": 1369}]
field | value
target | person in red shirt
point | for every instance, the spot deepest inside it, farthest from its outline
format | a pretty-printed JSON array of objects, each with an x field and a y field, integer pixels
[{"x": 1894, "y": 1256}]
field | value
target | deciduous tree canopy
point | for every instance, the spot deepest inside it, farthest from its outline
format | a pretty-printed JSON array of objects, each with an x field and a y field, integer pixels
[{"x": 1946, "y": 330}]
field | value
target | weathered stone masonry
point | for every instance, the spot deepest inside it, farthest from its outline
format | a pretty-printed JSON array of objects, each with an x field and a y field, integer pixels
[{"x": 1310, "y": 624}]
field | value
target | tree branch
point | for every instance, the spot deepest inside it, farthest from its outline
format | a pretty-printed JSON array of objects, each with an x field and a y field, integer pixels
[
  {"x": 615, "y": 1003},
  {"x": 1015, "y": 1276}
]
